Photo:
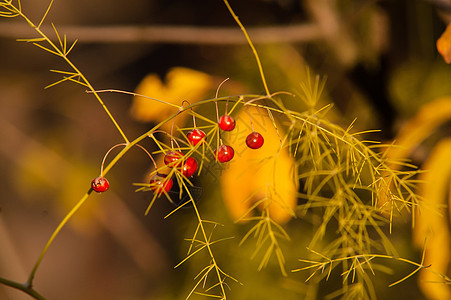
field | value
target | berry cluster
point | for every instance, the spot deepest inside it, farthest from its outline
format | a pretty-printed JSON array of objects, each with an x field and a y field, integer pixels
[
  {"x": 225, "y": 153},
  {"x": 187, "y": 166},
  {"x": 176, "y": 159}
]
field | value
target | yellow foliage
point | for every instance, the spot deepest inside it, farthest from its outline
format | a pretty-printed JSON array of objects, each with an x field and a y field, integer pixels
[
  {"x": 444, "y": 44},
  {"x": 415, "y": 131},
  {"x": 265, "y": 173},
  {"x": 428, "y": 119},
  {"x": 180, "y": 84},
  {"x": 432, "y": 224}
]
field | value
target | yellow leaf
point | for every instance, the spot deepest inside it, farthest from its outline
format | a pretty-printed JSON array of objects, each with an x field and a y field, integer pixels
[
  {"x": 444, "y": 44},
  {"x": 256, "y": 174},
  {"x": 432, "y": 223},
  {"x": 180, "y": 84},
  {"x": 428, "y": 119}
]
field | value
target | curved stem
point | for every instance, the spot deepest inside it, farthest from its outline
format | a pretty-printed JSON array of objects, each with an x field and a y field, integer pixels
[
  {"x": 257, "y": 58},
  {"x": 147, "y": 152},
  {"x": 108, "y": 152}
]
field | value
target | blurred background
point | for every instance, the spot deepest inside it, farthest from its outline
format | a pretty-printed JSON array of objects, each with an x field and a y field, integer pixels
[{"x": 381, "y": 65}]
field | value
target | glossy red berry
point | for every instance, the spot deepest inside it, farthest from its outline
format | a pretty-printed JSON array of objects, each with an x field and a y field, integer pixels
[
  {"x": 224, "y": 153},
  {"x": 226, "y": 123},
  {"x": 254, "y": 140},
  {"x": 160, "y": 183},
  {"x": 189, "y": 167},
  {"x": 172, "y": 157},
  {"x": 100, "y": 184},
  {"x": 195, "y": 136}
]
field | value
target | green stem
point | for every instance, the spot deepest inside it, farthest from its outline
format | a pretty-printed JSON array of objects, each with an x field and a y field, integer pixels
[
  {"x": 210, "y": 252},
  {"x": 207, "y": 244},
  {"x": 29, "y": 283},
  {"x": 254, "y": 51},
  {"x": 22, "y": 287}
]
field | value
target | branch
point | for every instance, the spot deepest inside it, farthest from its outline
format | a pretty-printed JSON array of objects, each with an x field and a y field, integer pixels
[
  {"x": 297, "y": 33},
  {"x": 24, "y": 288}
]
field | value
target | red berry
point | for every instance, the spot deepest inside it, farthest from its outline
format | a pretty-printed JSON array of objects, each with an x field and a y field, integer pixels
[
  {"x": 226, "y": 123},
  {"x": 224, "y": 153},
  {"x": 254, "y": 140},
  {"x": 160, "y": 184},
  {"x": 171, "y": 158},
  {"x": 189, "y": 167},
  {"x": 195, "y": 136},
  {"x": 100, "y": 184}
]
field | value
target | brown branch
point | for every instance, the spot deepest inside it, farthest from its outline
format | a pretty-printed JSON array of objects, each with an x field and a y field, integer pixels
[
  {"x": 22, "y": 287},
  {"x": 297, "y": 33}
]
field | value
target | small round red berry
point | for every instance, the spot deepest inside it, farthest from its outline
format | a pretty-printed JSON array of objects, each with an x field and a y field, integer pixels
[
  {"x": 254, "y": 140},
  {"x": 195, "y": 136},
  {"x": 189, "y": 167},
  {"x": 224, "y": 153},
  {"x": 226, "y": 123},
  {"x": 100, "y": 184},
  {"x": 171, "y": 158},
  {"x": 160, "y": 184}
]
